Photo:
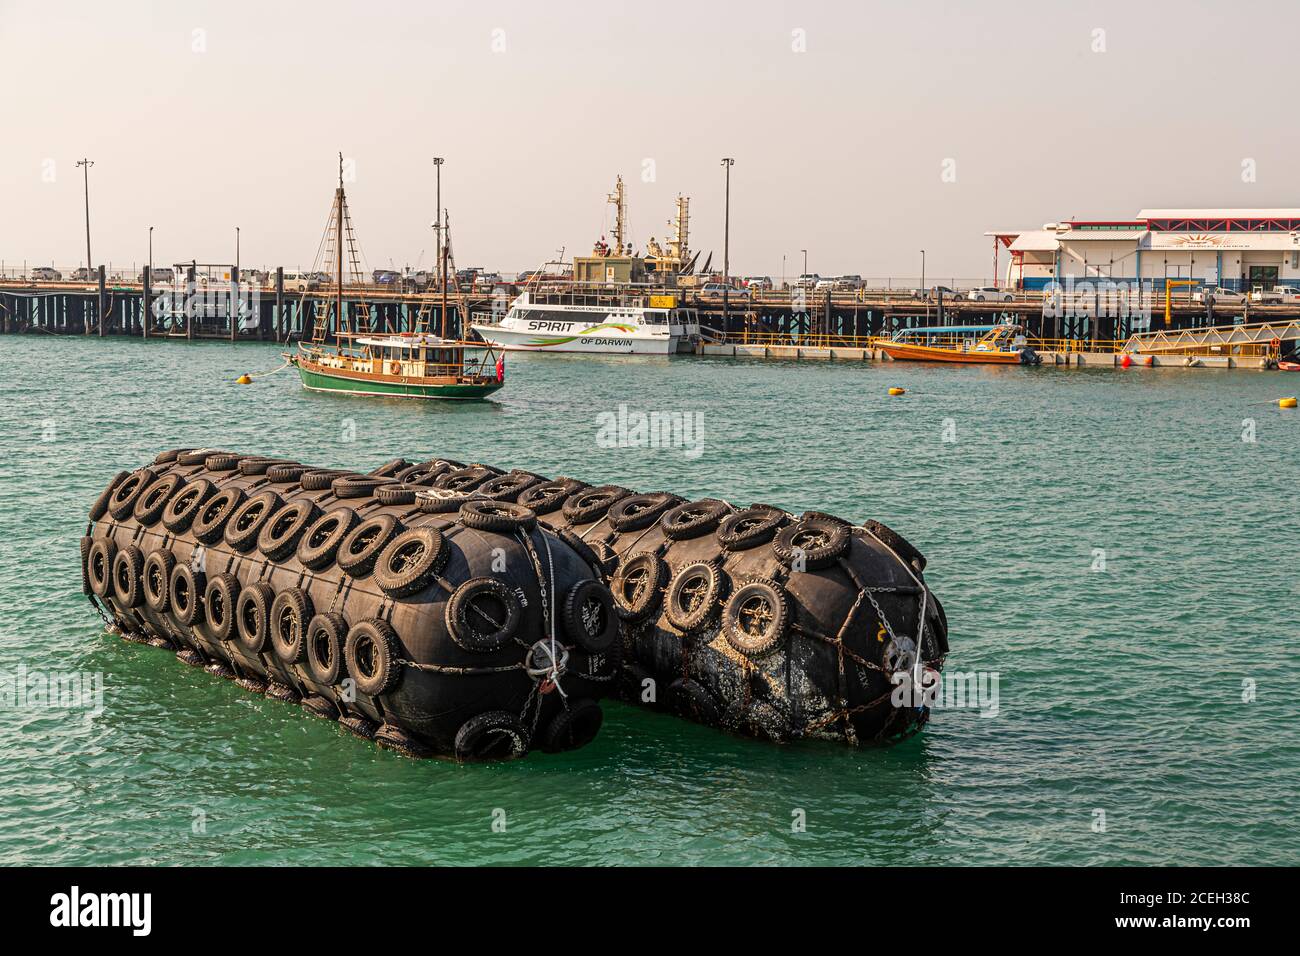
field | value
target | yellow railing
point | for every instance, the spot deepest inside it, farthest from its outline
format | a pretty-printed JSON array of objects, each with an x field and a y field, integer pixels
[{"x": 788, "y": 340}]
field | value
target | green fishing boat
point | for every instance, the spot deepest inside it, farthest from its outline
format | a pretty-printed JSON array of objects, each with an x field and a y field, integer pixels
[
  {"x": 347, "y": 355},
  {"x": 408, "y": 366}
]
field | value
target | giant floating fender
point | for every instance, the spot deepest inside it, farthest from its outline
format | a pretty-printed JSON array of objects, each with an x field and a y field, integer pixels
[{"x": 434, "y": 626}]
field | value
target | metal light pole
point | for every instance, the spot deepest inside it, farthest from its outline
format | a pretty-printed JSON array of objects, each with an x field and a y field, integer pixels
[
  {"x": 85, "y": 165},
  {"x": 151, "y": 255},
  {"x": 923, "y": 272},
  {"x": 236, "y": 251},
  {"x": 727, "y": 163},
  {"x": 783, "y": 270}
]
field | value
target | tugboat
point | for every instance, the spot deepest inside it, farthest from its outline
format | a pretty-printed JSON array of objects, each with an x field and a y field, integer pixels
[{"x": 415, "y": 364}]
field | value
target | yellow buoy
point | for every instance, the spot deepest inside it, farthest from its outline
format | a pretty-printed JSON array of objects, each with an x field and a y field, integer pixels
[
  {"x": 1286, "y": 402},
  {"x": 896, "y": 391},
  {"x": 243, "y": 380}
]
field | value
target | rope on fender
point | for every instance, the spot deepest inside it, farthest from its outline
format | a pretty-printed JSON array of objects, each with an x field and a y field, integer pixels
[{"x": 557, "y": 654}]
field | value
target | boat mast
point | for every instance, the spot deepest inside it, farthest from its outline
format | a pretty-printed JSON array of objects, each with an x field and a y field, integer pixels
[
  {"x": 442, "y": 256},
  {"x": 338, "y": 241}
]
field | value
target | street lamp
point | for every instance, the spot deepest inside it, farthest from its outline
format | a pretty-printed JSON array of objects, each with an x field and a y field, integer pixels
[
  {"x": 923, "y": 272},
  {"x": 85, "y": 165},
  {"x": 804, "y": 277},
  {"x": 727, "y": 163},
  {"x": 236, "y": 253},
  {"x": 151, "y": 255}
]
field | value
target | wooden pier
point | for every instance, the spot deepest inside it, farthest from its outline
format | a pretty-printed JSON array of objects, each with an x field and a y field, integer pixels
[{"x": 274, "y": 313}]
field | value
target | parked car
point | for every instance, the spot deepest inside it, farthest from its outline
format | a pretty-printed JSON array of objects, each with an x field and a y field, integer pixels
[
  {"x": 386, "y": 277},
  {"x": 806, "y": 281},
  {"x": 83, "y": 274},
  {"x": 300, "y": 281},
  {"x": 849, "y": 283},
  {"x": 934, "y": 292},
  {"x": 758, "y": 283},
  {"x": 46, "y": 274},
  {"x": 1218, "y": 296},
  {"x": 988, "y": 293},
  {"x": 1277, "y": 294},
  {"x": 717, "y": 288}
]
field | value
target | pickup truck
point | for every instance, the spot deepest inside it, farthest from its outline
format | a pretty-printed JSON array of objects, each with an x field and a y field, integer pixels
[{"x": 1277, "y": 294}]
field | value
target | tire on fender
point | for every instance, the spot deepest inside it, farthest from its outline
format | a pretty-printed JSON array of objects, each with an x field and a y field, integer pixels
[
  {"x": 220, "y": 601},
  {"x": 812, "y": 543},
  {"x": 185, "y": 594},
  {"x": 638, "y": 584},
  {"x": 360, "y": 550},
  {"x": 320, "y": 542},
  {"x": 128, "y": 567},
  {"x": 253, "y": 616},
  {"x": 756, "y": 618},
  {"x": 371, "y": 656},
  {"x": 410, "y": 560},
  {"x": 99, "y": 566},
  {"x": 589, "y": 617},
  {"x": 326, "y": 636},
  {"x": 694, "y": 594},
  {"x": 156, "y": 579},
  {"x": 483, "y": 615},
  {"x": 291, "y": 611},
  {"x": 491, "y": 735}
]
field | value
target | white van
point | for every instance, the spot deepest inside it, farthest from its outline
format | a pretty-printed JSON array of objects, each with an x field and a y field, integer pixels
[{"x": 300, "y": 281}]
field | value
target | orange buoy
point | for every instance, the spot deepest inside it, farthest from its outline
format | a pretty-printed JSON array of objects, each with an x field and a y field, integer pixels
[
  {"x": 1126, "y": 361},
  {"x": 1289, "y": 402},
  {"x": 897, "y": 391}
]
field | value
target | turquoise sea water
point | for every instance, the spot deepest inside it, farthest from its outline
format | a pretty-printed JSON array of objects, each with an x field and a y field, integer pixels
[{"x": 1120, "y": 690}]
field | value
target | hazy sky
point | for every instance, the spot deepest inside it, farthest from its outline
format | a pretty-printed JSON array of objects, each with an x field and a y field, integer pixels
[{"x": 840, "y": 149}]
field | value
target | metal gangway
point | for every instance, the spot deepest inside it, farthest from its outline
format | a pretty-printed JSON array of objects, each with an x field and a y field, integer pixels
[{"x": 1257, "y": 338}]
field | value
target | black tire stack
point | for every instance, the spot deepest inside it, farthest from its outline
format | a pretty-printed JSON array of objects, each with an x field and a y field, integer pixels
[
  {"x": 431, "y": 630},
  {"x": 428, "y": 586}
]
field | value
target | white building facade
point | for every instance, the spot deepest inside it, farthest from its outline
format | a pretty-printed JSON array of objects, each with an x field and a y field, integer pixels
[{"x": 1240, "y": 249}]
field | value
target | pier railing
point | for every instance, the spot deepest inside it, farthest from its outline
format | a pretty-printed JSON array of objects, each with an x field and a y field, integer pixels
[{"x": 822, "y": 341}]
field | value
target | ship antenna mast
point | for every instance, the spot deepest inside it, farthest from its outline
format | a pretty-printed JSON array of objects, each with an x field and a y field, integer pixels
[{"x": 619, "y": 199}]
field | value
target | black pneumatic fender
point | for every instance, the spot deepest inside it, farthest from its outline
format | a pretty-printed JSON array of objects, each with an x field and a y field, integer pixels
[
  {"x": 319, "y": 586},
  {"x": 473, "y": 626}
]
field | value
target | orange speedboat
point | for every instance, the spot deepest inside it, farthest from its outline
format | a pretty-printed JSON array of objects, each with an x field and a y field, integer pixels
[{"x": 998, "y": 345}]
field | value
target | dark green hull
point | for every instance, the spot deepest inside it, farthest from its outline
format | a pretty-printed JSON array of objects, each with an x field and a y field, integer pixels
[{"x": 319, "y": 382}]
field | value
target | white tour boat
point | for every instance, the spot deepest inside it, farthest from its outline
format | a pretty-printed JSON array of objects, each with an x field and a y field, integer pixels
[{"x": 598, "y": 320}]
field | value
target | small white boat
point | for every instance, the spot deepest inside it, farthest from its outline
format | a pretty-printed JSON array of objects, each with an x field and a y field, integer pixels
[{"x": 620, "y": 323}]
